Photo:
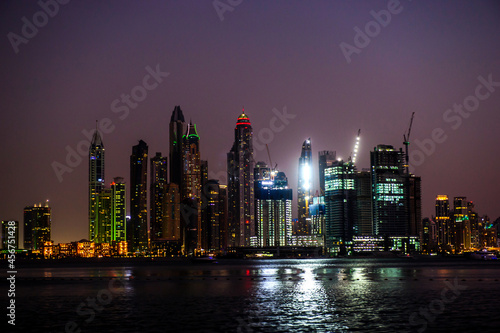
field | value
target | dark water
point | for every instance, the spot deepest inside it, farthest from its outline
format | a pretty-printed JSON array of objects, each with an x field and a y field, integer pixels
[{"x": 314, "y": 295}]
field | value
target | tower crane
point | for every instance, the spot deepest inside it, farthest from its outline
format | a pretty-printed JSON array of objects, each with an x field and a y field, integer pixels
[
  {"x": 356, "y": 147},
  {"x": 406, "y": 142},
  {"x": 270, "y": 161}
]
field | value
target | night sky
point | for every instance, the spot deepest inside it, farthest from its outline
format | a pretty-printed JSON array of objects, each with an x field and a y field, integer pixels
[{"x": 260, "y": 55}]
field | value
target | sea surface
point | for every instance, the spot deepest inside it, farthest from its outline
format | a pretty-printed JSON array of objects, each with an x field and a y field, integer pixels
[{"x": 276, "y": 295}]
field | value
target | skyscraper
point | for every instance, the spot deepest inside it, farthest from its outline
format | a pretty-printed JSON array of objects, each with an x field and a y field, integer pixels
[
  {"x": 104, "y": 233},
  {"x": 204, "y": 196},
  {"x": 215, "y": 215},
  {"x": 96, "y": 181},
  {"x": 364, "y": 217},
  {"x": 157, "y": 189},
  {"x": 461, "y": 224},
  {"x": 171, "y": 227},
  {"x": 317, "y": 214},
  {"x": 223, "y": 217},
  {"x": 110, "y": 223},
  {"x": 325, "y": 159},
  {"x": 177, "y": 126},
  {"x": 37, "y": 226},
  {"x": 191, "y": 164},
  {"x": 273, "y": 200},
  {"x": 240, "y": 165},
  {"x": 191, "y": 188},
  {"x": 443, "y": 224},
  {"x": 390, "y": 191},
  {"x": 119, "y": 210},
  {"x": 304, "y": 187},
  {"x": 340, "y": 205},
  {"x": 414, "y": 206},
  {"x": 138, "y": 235},
  {"x": 475, "y": 226}
]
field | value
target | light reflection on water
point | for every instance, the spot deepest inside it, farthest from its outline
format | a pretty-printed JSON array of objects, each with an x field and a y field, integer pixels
[{"x": 260, "y": 296}]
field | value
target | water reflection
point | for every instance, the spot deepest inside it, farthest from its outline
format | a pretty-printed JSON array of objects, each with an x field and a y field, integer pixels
[{"x": 292, "y": 300}]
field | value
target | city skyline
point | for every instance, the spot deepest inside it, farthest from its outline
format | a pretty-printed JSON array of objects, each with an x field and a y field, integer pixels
[
  {"x": 64, "y": 87},
  {"x": 314, "y": 180}
]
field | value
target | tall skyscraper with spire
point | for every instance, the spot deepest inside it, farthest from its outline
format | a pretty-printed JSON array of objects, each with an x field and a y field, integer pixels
[
  {"x": 96, "y": 181},
  {"x": 177, "y": 126},
  {"x": 191, "y": 187},
  {"x": 241, "y": 195},
  {"x": 304, "y": 187},
  {"x": 138, "y": 230}
]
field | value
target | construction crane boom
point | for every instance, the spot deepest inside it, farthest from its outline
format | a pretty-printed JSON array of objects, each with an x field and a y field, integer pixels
[
  {"x": 406, "y": 142},
  {"x": 355, "y": 148},
  {"x": 270, "y": 161}
]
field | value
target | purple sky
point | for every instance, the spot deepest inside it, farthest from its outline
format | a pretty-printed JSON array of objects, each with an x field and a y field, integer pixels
[{"x": 263, "y": 55}]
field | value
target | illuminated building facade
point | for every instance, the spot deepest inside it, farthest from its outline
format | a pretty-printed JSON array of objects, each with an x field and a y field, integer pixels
[
  {"x": 215, "y": 215},
  {"x": 104, "y": 228},
  {"x": 340, "y": 205},
  {"x": 390, "y": 191},
  {"x": 414, "y": 205},
  {"x": 364, "y": 207},
  {"x": 171, "y": 222},
  {"x": 428, "y": 243},
  {"x": 241, "y": 196},
  {"x": 444, "y": 226},
  {"x": 85, "y": 249},
  {"x": 273, "y": 200},
  {"x": 317, "y": 215},
  {"x": 119, "y": 210},
  {"x": 325, "y": 159},
  {"x": 223, "y": 217},
  {"x": 368, "y": 243},
  {"x": 37, "y": 226},
  {"x": 304, "y": 188},
  {"x": 96, "y": 180},
  {"x": 191, "y": 188},
  {"x": 176, "y": 131},
  {"x": 111, "y": 213},
  {"x": 10, "y": 228},
  {"x": 461, "y": 224},
  {"x": 137, "y": 235},
  {"x": 475, "y": 226},
  {"x": 158, "y": 183}
]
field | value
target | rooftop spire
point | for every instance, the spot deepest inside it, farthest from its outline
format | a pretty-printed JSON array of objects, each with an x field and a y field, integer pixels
[
  {"x": 191, "y": 130},
  {"x": 177, "y": 114},
  {"x": 243, "y": 119},
  {"x": 96, "y": 138}
]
